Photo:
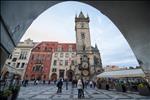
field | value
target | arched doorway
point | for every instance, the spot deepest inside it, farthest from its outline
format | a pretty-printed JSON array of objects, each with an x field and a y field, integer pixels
[
  {"x": 70, "y": 74},
  {"x": 54, "y": 76}
]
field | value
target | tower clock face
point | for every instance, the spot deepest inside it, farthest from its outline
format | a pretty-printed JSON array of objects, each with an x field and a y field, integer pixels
[{"x": 85, "y": 72}]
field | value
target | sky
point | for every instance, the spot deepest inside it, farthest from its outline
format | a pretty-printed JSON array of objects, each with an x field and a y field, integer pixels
[{"x": 58, "y": 24}]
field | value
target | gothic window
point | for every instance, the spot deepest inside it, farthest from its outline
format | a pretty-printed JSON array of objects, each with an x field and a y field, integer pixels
[
  {"x": 82, "y": 36},
  {"x": 82, "y": 25}
]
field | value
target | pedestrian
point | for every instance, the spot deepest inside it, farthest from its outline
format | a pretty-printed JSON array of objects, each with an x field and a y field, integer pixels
[
  {"x": 37, "y": 82},
  {"x": 94, "y": 84},
  {"x": 43, "y": 81},
  {"x": 79, "y": 86},
  {"x": 91, "y": 83},
  {"x": 49, "y": 82},
  {"x": 107, "y": 86},
  {"x": 66, "y": 84},
  {"x": 34, "y": 81},
  {"x": 82, "y": 91},
  {"x": 59, "y": 85},
  {"x": 73, "y": 82}
]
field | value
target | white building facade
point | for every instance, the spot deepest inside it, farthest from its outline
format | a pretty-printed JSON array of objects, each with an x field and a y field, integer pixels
[{"x": 19, "y": 58}]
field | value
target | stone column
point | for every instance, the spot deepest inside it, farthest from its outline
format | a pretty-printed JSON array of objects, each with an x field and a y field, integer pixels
[{"x": 147, "y": 76}]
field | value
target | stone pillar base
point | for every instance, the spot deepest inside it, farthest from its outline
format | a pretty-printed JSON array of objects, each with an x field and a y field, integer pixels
[{"x": 147, "y": 77}]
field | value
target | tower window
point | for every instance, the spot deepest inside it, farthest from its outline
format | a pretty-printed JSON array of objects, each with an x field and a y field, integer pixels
[
  {"x": 82, "y": 25},
  {"x": 82, "y": 35}
]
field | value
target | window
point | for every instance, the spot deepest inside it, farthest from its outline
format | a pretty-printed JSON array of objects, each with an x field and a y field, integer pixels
[
  {"x": 61, "y": 55},
  {"x": 33, "y": 69},
  {"x": 82, "y": 25},
  {"x": 23, "y": 55},
  {"x": 8, "y": 63},
  {"x": 22, "y": 65},
  {"x": 66, "y": 62},
  {"x": 70, "y": 48},
  {"x": 72, "y": 62},
  {"x": 55, "y": 62},
  {"x": 10, "y": 56},
  {"x": 67, "y": 55},
  {"x": 82, "y": 36},
  {"x": 72, "y": 55},
  {"x": 59, "y": 48},
  {"x": 18, "y": 64},
  {"x": 54, "y": 70},
  {"x": 13, "y": 65},
  {"x": 37, "y": 68},
  {"x": 56, "y": 54},
  {"x": 14, "y": 59},
  {"x": 61, "y": 62}
]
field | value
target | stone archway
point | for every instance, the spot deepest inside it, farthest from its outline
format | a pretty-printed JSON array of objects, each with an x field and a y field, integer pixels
[
  {"x": 54, "y": 76},
  {"x": 70, "y": 74},
  {"x": 130, "y": 17}
]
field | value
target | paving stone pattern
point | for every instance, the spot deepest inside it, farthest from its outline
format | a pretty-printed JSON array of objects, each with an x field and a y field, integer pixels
[{"x": 48, "y": 92}]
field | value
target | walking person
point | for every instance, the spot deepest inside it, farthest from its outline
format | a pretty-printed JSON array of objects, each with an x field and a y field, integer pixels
[
  {"x": 79, "y": 87},
  {"x": 59, "y": 85},
  {"x": 66, "y": 84},
  {"x": 82, "y": 91},
  {"x": 91, "y": 83},
  {"x": 94, "y": 84}
]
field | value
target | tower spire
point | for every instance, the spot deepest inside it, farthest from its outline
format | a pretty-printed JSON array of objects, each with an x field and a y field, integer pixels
[
  {"x": 96, "y": 46},
  {"x": 81, "y": 15}
]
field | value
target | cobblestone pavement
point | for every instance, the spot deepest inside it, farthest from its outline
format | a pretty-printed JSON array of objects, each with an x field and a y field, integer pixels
[{"x": 48, "y": 92}]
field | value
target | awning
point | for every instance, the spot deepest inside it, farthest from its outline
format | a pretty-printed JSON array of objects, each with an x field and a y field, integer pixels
[{"x": 122, "y": 73}]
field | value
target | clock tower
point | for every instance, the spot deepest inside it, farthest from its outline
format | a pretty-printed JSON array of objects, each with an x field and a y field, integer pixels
[
  {"x": 87, "y": 67},
  {"x": 83, "y": 45},
  {"x": 83, "y": 41}
]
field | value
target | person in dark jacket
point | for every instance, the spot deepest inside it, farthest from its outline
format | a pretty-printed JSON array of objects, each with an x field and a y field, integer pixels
[{"x": 59, "y": 85}]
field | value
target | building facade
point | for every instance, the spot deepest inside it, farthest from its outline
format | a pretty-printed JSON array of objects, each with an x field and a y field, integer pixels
[
  {"x": 17, "y": 61},
  {"x": 39, "y": 64},
  {"x": 63, "y": 61},
  {"x": 51, "y": 60},
  {"x": 88, "y": 57}
]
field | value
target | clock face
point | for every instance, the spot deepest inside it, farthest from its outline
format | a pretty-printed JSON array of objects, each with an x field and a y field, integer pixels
[
  {"x": 85, "y": 72},
  {"x": 85, "y": 65}
]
